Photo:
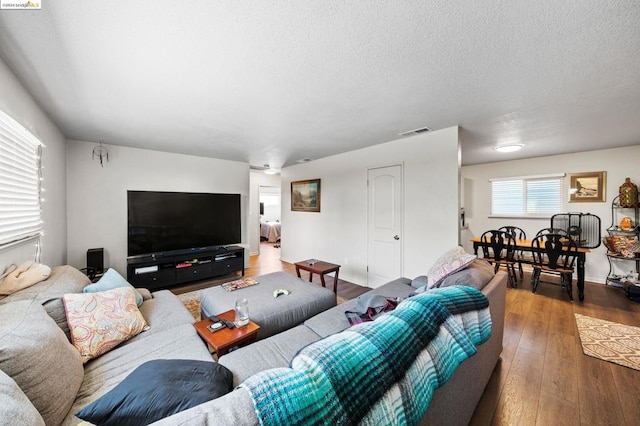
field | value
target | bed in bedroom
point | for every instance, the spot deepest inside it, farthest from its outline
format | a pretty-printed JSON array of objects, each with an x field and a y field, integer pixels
[{"x": 270, "y": 231}]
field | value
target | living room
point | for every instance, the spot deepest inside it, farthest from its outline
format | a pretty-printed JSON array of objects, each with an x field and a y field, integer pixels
[{"x": 84, "y": 202}]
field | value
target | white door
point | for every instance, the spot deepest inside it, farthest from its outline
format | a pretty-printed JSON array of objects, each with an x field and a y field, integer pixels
[{"x": 384, "y": 213}]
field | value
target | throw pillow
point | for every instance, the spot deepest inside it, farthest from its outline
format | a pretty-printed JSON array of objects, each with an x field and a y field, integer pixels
[
  {"x": 476, "y": 275},
  {"x": 15, "y": 407},
  {"x": 157, "y": 389},
  {"x": 35, "y": 353},
  {"x": 112, "y": 279},
  {"x": 450, "y": 262},
  {"x": 16, "y": 278},
  {"x": 420, "y": 281},
  {"x": 101, "y": 321}
]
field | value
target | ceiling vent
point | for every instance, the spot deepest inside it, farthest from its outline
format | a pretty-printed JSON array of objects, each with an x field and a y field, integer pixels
[{"x": 415, "y": 131}]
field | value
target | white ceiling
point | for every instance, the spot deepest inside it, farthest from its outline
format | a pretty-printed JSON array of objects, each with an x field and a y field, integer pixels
[{"x": 274, "y": 82}]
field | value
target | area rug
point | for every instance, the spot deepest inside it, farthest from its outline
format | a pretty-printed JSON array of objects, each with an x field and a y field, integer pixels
[
  {"x": 610, "y": 341},
  {"x": 192, "y": 301}
]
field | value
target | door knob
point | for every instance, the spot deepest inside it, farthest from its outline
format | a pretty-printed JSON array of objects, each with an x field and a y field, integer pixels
[{"x": 395, "y": 237}]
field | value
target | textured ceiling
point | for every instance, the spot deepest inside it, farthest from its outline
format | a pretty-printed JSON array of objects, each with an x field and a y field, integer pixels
[{"x": 274, "y": 82}]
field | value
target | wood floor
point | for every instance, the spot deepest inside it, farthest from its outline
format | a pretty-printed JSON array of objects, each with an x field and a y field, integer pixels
[{"x": 543, "y": 377}]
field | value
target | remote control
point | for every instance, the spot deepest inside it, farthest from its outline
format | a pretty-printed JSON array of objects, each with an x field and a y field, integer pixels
[
  {"x": 228, "y": 323},
  {"x": 214, "y": 318},
  {"x": 215, "y": 327}
]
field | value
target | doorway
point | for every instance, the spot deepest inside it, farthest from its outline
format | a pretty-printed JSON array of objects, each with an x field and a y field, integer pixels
[
  {"x": 270, "y": 213},
  {"x": 384, "y": 225}
]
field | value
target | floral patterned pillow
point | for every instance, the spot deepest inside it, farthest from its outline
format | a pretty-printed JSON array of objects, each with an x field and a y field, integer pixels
[
  {"x": 450, "y": 262},
  {"x": 101, "y": 321}
]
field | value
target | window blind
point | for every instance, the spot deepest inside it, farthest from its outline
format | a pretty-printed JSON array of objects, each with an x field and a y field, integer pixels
[
  {"x": 20, "y": 177},
  {"x": 534, "y": 196}
]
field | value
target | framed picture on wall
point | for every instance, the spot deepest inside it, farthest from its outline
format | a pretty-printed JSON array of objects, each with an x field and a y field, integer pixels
[
  {"x": 589, "y": 187},
  {"x": 305, "y": 196}
]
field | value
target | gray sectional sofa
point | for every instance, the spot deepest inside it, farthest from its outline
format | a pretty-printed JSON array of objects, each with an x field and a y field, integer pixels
[
  {"x": 68, "y": 386},
  {"x": 57, "y": 384}
]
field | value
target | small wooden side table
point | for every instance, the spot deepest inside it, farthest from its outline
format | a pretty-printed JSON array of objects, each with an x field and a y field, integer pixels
[
  {"x": 321, "y": 268},
  {"x": 222, "y": 340}
]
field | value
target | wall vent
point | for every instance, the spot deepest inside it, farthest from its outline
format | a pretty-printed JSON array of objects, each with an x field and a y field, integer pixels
[{"x": 415, "y": 131}]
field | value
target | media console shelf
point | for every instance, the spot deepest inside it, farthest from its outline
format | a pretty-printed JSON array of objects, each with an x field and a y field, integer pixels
[{"x": 167, "y": 270}]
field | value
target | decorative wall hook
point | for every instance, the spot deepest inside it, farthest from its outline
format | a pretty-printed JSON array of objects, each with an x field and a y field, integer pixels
[{"x": 101, "y": 152}]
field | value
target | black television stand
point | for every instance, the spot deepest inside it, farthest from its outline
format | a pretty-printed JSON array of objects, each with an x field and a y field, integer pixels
[{"x": 168, "y": 270}]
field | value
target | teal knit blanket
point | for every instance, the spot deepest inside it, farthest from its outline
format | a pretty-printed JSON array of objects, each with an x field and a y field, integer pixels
[{"x": 380, "y": 372}]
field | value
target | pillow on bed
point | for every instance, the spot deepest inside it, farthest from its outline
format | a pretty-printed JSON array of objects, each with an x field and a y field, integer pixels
[
  {"x": 450, "y": 262},
  {"x": 158, "y": 389},
  {"x": 476, "y": 275}
]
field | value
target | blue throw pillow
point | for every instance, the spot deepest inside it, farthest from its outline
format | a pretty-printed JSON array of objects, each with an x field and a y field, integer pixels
[
  {"x": 158, "y": 389},
  {"x": 110, "y": 280}
]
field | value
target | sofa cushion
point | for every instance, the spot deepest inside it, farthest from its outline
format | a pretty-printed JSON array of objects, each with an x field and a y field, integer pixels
[
  {"x": 32, "y": 348},
  {"x": 112, "y": 279},
  {"x": 232, "y": 409},
  {"x": 420, "y": 281},
  {"x": 334, "y": 320},
  {"x": 15, "y": 407},
  {"x": 158, "y": 389},
  {"x": 101, "y": 321},
  {"x": 164, "y": 310},
  {"x": 450, "y": 262},
  {"x": 476, "y": 275},
  {"x": 275, "y": 351},
  {"x": 105, "y": 372},
  {"x": 145, "y": 293},
  {"x": 55, "y": 309}
]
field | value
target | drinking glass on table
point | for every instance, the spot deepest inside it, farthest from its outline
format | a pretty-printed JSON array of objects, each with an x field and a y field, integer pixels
[{"x": 242, "y": 312}]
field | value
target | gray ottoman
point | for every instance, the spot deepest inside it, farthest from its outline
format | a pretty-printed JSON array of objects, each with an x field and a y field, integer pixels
[{"x": 272, "y": 314}]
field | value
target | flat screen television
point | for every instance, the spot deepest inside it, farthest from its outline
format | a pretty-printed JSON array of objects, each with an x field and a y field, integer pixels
[{"x": 161, "y": 222}]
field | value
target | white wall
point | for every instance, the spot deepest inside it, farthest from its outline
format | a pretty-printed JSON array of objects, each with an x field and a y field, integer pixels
[
  {"x": 618, "y": 163},
  {"x": 97, "y": 196},
  {"x": 18, "y": 103},
  {"x": 338, "y": 234},
  {"x": 257, "y": 179}
]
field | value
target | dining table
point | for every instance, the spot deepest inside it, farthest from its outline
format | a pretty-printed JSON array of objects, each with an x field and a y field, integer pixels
[{"x": 525, "y": 245}]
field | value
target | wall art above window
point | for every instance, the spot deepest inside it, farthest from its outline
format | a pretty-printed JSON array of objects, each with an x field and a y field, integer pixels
[{"x": 588, "y": 187}]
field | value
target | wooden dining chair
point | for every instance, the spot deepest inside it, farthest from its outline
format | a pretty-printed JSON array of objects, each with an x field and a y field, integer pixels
[
  {"x": 552, "y": 231},
  {"x": 554, "y": 254},
  {"x": 499, "y": 249},
  {"x": 520, "y": 255}
]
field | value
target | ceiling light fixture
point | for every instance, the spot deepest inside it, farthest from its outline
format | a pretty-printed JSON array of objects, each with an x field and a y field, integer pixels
[
  {"x": 101, "y": 152},
  {"x": 512, "y": 147},
  {"x": 270, "y": 170}
]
